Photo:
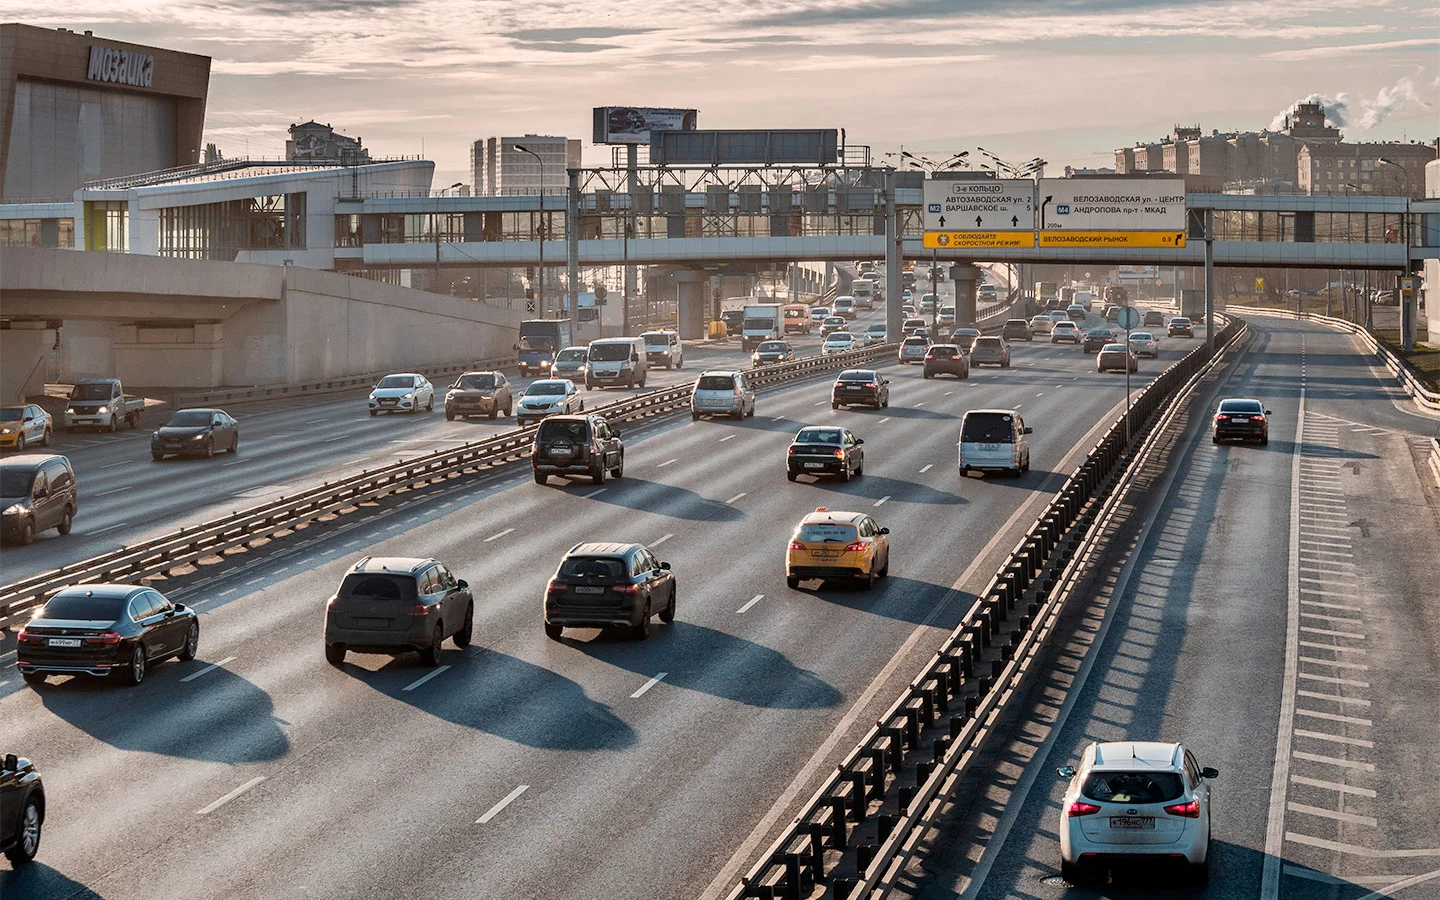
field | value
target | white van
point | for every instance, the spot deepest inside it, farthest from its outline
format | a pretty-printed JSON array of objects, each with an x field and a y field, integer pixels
[
  {"x": 863, "y": 290},
  {"x": 663, "y": 348},
  {"x": 994, "y": 440},
  {"x": 616, "y": 361}
]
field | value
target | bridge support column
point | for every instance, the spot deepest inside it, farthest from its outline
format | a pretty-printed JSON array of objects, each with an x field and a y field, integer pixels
[
  {"x": 966, "y": 279},
  {"x": 178, "y": 355},
  {"x": 22, "y": 360},
  {"x": 693, "y": 290}
]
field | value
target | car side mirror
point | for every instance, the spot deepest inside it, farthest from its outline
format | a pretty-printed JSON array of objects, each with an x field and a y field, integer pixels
[
  {"x": 884, "y": 531},
  {"x": 1066, "y": 771},
  {"x": 665, "y": 566},
  {"x": 463, "y": 584},
  {"x": 1029, "y": 430},
  {"x": 1209, "y": 772},
  {"x": 1267, "y": 412},
  {"x": 179, "y": 607},
  {"x": 12, "y": 763},
  {"x": 859, "y": 441},
  {"x": 514, "y": 346},
  {"x": 614, "y": 432}
]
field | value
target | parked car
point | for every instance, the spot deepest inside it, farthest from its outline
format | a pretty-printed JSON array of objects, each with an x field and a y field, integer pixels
[
  {"x": 1116, "y": 358},
  {"x": 195, "y": 432},
  {"x": 37, "y": 493},
  {"x": 994, "y": 440},
  {"x": 913, "y": 348},
  {"x": 1180, "y": 327},
  {"x": 489, "y": 393},
  {"x": 577, "y": 445},
  {"x": 722, "y": 393},
  {"x": 548, "y": 397},
  {"x": 838, "y": 342},
  {"x": 569, "y": 363},
  {"x": 825, "y": 450},
  {"x": 405, "y": 392},
  {"x": 946, "y": 359},
  {"x": 990, "y": 351},
  {"x": 1096, "y": 339},
  {"x": 1241, "y": 419},
  {"x": 1145, "y": 344},
  {"x": 604, "y": 585},
  {"x": 1016, "y": 330},
  {"x": 395, "y": 605},
  {"x": 23, "y": 426},
  {"x": 1066, "y": 331},
  {"x": 771, "y": 352},
  {"x": 663, "y": 348},
  {"x": 831, "y": 544},
  {"x": 860, "y": 387},
  {"x": 105, "y": 629},
  {"x": 22, "y": 809}
]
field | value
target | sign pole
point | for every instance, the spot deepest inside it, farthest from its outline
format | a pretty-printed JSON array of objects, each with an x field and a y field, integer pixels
[
  {"x": 1209, "y": 282},
  {"x": 893, "y": 279},
  {"x": 572, "y": 250},
  {"x": 1127, "y": 383}
]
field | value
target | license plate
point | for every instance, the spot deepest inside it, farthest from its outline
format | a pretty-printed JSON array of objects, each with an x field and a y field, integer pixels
[
  {"x": 586, "y": 589},
  {"x": 989, "y": 446},
  {"x": 387, "y": 402},
  {"x": 64, "y": 642},
  {"x": 825, "y": 554},
  {"x": 562, "y": 451},
  {"x": 814, "y": 465},
  {"x": 371, "y": 622},
  {"x": 1132, "y": 823},
  {"x": 854, "y": 387},
  {"x": 1239, "y": 418}
]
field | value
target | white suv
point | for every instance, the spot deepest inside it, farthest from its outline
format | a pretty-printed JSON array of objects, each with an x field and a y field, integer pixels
[{"x": 1129, "y": 799}]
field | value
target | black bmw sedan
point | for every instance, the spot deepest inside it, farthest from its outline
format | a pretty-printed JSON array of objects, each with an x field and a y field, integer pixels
[{"x": 106, "y": 629}]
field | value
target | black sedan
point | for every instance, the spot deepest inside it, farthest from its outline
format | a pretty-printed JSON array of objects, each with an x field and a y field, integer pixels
[
  {"x": 860, "y": 387},
  {"x": 771, "y": 352},
  {"x": 195, "y": 432},
  {"x": 22, "y": 809},
  {"x": 1096, "y": 339},
  {"x": 825, "y": 450},
  {"x": 105, "y": 629},
  {"x": 1153, "y": 317},
  {"x": 1241, "y": 419},
  {"x": 1180, "y": 327}
]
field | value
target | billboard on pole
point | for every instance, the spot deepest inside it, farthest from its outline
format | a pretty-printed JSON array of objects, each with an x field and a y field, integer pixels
[{"x": 633, "y": 124}]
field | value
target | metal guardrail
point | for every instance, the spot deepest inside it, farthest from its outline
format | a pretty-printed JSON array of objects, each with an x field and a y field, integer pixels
[
  {"x": 1435, "y": 459},
  {"x": 879, "y": 797},
  {"x": 159, "y": 556},
  {"x": 324, "y": 385}
]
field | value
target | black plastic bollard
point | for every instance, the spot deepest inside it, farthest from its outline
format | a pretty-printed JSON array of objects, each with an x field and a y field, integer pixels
[
  {"x": 885, "y": 826},
  {"x": 907, "y": 797},
  {"x": 897, "y": 747},
  {"x": 957, "y": 723},
  {"x": 877, "y": 769},
  {"x": 923, "y": 770},
  {"x": 912, "y": 726},
  {"x": 998, "y": 665},
  {"x": 942, "y": 744},
  {"x": 858, "y": 802},
  {"x": 844, "y": 887},
  {"x": 837, "y": 821},
  {"x": 794, "y": 880},
  {"x": 972, "y": 704},
  {"x": 864, "y": 856}
]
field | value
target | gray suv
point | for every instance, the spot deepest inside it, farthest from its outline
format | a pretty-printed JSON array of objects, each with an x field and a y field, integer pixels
[
  {"x": 37, "y": 492},
  {"x": 396, "y": 604},
  {"x": 600, "y": 585}
]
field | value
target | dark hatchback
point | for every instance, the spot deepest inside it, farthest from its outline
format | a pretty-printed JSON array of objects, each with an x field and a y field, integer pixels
[
  {"x": 946, "y": 359},
  {"x": 105, "y": 629},
  {"x": 195, "y": 432},
  {"x": 395, "y": 605},
  {"x": 825, "y": 450},
  {"x": 22, "y": 809},
  {"x": 860, "y": 387},
  {"x": 1096, "y": 339},
  {"x": 1017, "y": 330},
  {"x": 577, "y": 445},
  {"x": 607, "y": 585},
  {"x": 1241, "y": 420}
]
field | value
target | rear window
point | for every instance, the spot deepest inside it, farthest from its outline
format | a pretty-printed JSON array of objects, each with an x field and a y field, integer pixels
[
  {"x": 944, "y": 350},
  {"x": 573, "y": 430},
  {"x": 988, "y": 428},
  {"x": 1018, "y": 323},
  {"x": 856, "y": 375},
  {"x": 378, "y": 586},
  {"x": 593, "y": 568},
  {"x": 987, "y": 343},
  {"x": 1134, "y": 787},
  {"x": 715, "y": 383},
  {"x": 1240, "y": 406},
  {"x": 915, "y": 342},
  {"x": 106, "y": 609},
  {"x": 827, "y": 531},
  {"x": 818, "y": 436}
]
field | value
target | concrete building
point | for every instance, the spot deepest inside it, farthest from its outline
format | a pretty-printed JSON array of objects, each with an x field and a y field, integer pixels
[
  {"x": 313, "y": 141},
  {"x": 1358, "y": 169},
  {"x": 76, "y": 108},
  {"x": 498, "y": 168}
]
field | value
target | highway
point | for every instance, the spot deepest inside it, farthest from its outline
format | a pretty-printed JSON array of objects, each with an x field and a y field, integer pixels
[
  {"x": 592, "y": 767},
  {"x": 1278, "y": 618}
]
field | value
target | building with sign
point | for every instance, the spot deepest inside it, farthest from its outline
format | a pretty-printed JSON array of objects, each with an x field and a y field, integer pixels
[
  {"x": 77, "y": 108},
  {"x": 498, "y": 167}
]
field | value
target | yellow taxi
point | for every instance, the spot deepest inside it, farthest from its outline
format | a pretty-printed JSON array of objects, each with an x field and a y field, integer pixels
[{"x": 832, "y": 544}]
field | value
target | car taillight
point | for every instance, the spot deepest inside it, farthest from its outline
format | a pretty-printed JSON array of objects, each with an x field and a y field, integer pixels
[
  {"x": 625, "y": 588},
  {"x": 555, "y": 587},
  {"x": 1222, "y": 418},
  {"x": 1081, "y": 808},
  {"x": 839, "y": 454},
  {"x": 1190, "y": 810},
  {"x": 26, "y": 637},
  {"x": 796, "y": 545},
  {"x": 790, "y": 451},
  {"x": 856, "y": 547},
  {"x": 1257, "y": 418},
  {"x": 869, "y": 384},
  {"x": 419, "y": 609},
  {"x": 109, "y": 637}
]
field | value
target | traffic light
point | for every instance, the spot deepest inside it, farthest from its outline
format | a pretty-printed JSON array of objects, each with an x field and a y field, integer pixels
[{"x": 530, "y": 272}]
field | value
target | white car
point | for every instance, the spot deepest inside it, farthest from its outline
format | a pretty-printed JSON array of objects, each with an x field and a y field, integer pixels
[
  {"x": 947, "y": 316},
  {"x": 913, "y": 349},
  {"x": 838, "y": 342},
  {"x": 1143, "y": 343},
  {"x": 875, "y": 334},
  {"x": 406, "y": 392},
  {"x": 820, "y": 313},
  {"x": 1041, "y": 325},
  {"x": 1130, "y": 799},
  {"x": 548, "y": 397},
  {"x": 1066, "y": 331}
]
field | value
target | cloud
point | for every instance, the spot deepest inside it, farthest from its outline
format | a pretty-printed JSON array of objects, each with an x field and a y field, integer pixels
[
  {"x": 564, "y": 46},
  {"x": 573, "y": 34},
  {"x": 1337, "y": 110},
  {"x": 1400, "y": 96},
  {"x": 1345, "y": 50}
]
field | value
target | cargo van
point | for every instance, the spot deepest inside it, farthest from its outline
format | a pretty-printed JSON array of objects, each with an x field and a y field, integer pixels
[
  {"x": 863, "y": 291},
  {"x": 994, "y": 440},
  {"x": 797, "y": 318},
  {"x": 616, "y": 361}
]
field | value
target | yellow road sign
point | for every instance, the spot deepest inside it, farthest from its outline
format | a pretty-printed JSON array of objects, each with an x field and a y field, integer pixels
[
  {"x": 964, "y": 240},
  {"x": 1111, "y": 239},
  {"x": 1259, "y": 285}
]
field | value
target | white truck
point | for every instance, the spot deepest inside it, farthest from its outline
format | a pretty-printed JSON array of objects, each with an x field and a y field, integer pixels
[
  {"x": 102, "y": 403},
  {"x": 761, "y": 323},
  {"x": 863, "y": 290}
]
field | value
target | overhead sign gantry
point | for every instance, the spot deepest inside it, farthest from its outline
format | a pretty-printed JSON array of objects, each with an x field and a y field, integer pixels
[
  {"x": 980, "y": 214},
  {"x": 1112, "y": 212}
]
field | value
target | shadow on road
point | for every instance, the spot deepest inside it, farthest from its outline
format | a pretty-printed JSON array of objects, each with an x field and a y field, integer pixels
[
  {"x": 873, "y": 487},
  {"x": 664, "y": 500},
  {"x": 37, "y": 881}
]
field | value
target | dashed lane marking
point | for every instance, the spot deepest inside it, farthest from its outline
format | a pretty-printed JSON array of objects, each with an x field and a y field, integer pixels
[
  {"x": 753, "y": 600},
  {"x": 1332, "y": 786},
  {"x": 662, "y": 540},
  {"x": 736, "y": 497},
  {"x": 497, "y": 535},
  {"x": 424, "y": 678},
  {"x": 881, "y": 501},
  {"x": 210, "y": 668},
  {"x": 595, "y": 493},
  {"x": 1331, "y": 814},
  {"x": 727, "y": 437},
  {"x": 648, "y": 685},
  {"x": 928, "y": 467},
  {"x": 230, "y": 796},
  {"x": 666, "y": 463},
  {"x": 498, "y": 808}
]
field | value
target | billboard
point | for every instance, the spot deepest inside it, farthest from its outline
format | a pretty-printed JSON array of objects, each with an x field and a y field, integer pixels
[
  {"x": 1137, "y": 271},
  {"x": 729, "y": 146},
  {"x": 1113, "y": 204},
  {"x": 633, "y": 124}
]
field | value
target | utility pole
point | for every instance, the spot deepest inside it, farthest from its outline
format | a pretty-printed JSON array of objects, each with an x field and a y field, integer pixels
[
  {"x": 435, "y": 226},
  {"x": 540, "y": 272},
  {"x": 572, "y": 247},
  {"x": 1209, "y": 287}
]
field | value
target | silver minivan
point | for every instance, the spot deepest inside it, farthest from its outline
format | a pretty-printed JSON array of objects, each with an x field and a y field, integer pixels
[
  {"x": 994, "y": 440},
  {"x": 721, "y": 393}
]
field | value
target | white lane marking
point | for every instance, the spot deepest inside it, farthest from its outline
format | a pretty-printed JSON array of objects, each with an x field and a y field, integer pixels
[
  {"x": 822, "y": 402},
  {"x": 123, "y": 462},
  {"x": 1334, "y": 620},
  {"x": 1332, "y": 717},
  {"x": 1331, "y": 679},
  {"x": 921, "y": 403},
  {"x": 928, "y": 467},
  {"x": 230, "y": 796},
  {"x": 1332, "y": 786},
  {"x": 727, "y": 438},
  {"x": 662, "y": 540},
  {"x": 882, "y": 500},
  {"x": 883, "y": 421},
  {"x": 1316, "y": 695},
  {"x": 498, "y": 808},
  {"x": 497, "y": 535},
  {"x": 332, "y": 440},
  {"x": 1373, "y": 854},
  {"x": 648, "y": 685},
  {"x": 666, "y": 463},
  {"x": 1337, "y": 647},
  {"x": 1337, "y": 553},
  {"x": 1331, "y": 814},
  {"x": 112, "y": 491},
  {"x": 1041, "y": 394},
  {"x": 753, "y": 600},
  {"x": 948, "y": 393},
  {"x": 424, "y": 678},
  {"x": 1333, "y": 662},
  {"x": 1339, "y": 634},
  {"x": 595, "y": 493},
  {"x": 210, "y": 668},
  {"x": 238, "y": 462},
  {"x": 734, "y": 498},
  {"x": 1018, "y": 405},
  {"x": 109, "y": 528}
]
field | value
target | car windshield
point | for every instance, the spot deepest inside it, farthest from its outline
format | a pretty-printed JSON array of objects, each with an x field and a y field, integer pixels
[
  {"x": 827, "y": 531},
  {"x": 545, "y": 388},
  {"x": 475, "y": 382},
  {"x": 841, "y": 337},
  {"x": 844, "y": 302},
  {"x": 988, "y": 427},
  {"x": 536, "y": 343},
  {"x": 818, "y": 436},
  {"x": 772, "y": 347},
  {"x": 379, "y": 586},
  {"x": 834, "y": 320},
  {"x": 16, "y": 482},
  {"x": 592, "y": 568},
  {"x": 715, "y": 383},
  {"x": 572, "y": 430},
  {"x": 12, "y": 413},
  {"x": 914, "y": 323},
  {"x": 610, "y": 352},
  {"x": 1133, "y": 787},
  {"x": 1241, "y": 406},
  {"x": 81, "y": 607},
  {"x": 653, "y": 338},
  {"x": 91, "y": 392},
  {"x": 397, "y": 381},
  {"x": 857, "y": 375},
  {"x": 189, "y": 418},
  {"x": 756, "y": 323},
  {"x": 574, "y": 354},
  {"x": 876, "y": 329}
]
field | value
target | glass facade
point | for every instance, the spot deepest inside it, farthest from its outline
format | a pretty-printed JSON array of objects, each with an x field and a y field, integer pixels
[
  {"x": 222, "y": 230},
  {"x": 1308, "y": 227},
  {"x": 37, "y": 233}
]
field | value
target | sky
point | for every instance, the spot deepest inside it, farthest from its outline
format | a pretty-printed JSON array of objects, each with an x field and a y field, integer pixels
[{"x": 1064, "y": 80}]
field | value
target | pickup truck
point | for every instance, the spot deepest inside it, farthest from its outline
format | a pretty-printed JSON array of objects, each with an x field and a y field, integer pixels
[{"x": 102, "y": 403}]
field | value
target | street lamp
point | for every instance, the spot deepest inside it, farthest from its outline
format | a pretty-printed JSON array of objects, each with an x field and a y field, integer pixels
[
  {"x": 540, "y": 282},
  {"x": 435, "y": 226},
  {"x": 925, "y": 164}
]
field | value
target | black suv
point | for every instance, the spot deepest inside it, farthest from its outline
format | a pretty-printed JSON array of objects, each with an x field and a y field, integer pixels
[
  {"x": 22, "y": 809},
  {"x": 1017, "y": 330},
  {"x": 603, "y": 585},
  {"x": 860, "y": 387},
  {"x": 397, "y": 604},
  {"x": 1154, "y": 317},
  {"x": 577, "y": 445}
]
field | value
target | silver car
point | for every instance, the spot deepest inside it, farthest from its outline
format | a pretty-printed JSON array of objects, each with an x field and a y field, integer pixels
[
  {"x": 408, "y": 392},
  {"x": 722, "y": 393},
  {"x": 913, "y": 348},
  {"x": 570, "y": 363},
  {"x": 549, "y": 397}
]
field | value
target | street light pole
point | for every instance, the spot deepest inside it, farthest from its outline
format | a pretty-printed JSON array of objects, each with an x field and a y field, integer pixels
[
  {"x": 1407, "y": 317},
  {"x": 540, "y": 271},
  {"x": 435, "y": 226}
]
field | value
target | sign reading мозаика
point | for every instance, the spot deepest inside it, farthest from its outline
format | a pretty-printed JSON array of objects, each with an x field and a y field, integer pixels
[{"x": 121, "y": 66}]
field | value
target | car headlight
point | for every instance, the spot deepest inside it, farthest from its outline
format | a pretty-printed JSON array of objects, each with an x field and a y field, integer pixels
[
  {"x": 70, "y": 411},
  {"x": 103, "y": 410},
  {"x": 372, "y": 397},
  {"x": 408, "y": 397},
  {"x": 7, "y": 431},
  {"x": 16, "y": 509},
  {"x": 200, "y": 437}
]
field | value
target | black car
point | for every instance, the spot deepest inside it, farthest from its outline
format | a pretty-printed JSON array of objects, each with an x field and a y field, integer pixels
[
  {"x": 733, "y": 319},
  {"x": 860, "y": 387},
  {"x": 605, "y": 585},
  {"x": 396, "y": 604},
  {"x": 1017, "y": 330},
  {"x": 195, "y": 432},
  {"x": 1180, "y": 327},
  {"x": 105, "y": 629},
  {"x": 1241, "y": 419},
  {"x": 22, "y": 809},
  {"x": 1096, "y": 339},
  {"x": 1153, "y": 317},
  {"x": 577, "y": 445},
  {"x": 825, "y": 450},
  {"x": 772, "y": 352},
  {"x": 946, "y": 359},
  {"x": 37, "y": 493}
]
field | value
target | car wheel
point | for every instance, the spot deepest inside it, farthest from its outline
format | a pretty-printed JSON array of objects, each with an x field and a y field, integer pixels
[
  {"x": 494, "y": 411},
  {"x": 192, "y": 643},
  {"x": 642, "y": 630},
  {"x": 791, "y": 475},
  {"x": 374, "y": 412},
  {"x": 1200, "y": 872},
  {"x": 134, "y": 673},
  {"x": 27, "y": 532},
  {"x": 751, "y": 413},
  {"x": 33, "y": 677},
  {"x": 45, "y": 438},
  {"x": 430, "y": 404},
  {"x": 589, "y": 386},
  {"x": 1214, "y": 439},
  {"x": 234, "y": 445},
  {"x": 335, "y": 654},
  {"x": 1265, "y": 440},
  {"x": 67, "y": 521},
  {"x": 792, "y": 582},
  {"x": 860, "y": 470},
  {"x": 430, "y": 656},
  {"x": 450, "y": 416},
  {"x": 29, "y": 838},
  {"x": 114, "y": 425},
  {"x": 868, "y": 581},
  {"x": 463, "y": 637},
  {"x": 845, "y": 473},
  {"x": 597, "y": 473},
  {"x": 1072, "y": 873},
  {"x": 209, "y": 448},
  {"x": 834, "y": 405},
  {"x": 667, "y": 615},
  {"x": 541, "y": 477},
  {"x": 619, "y": 470},
  {"x": 553, "y": 632},
  {"x": 20, "y": 443}
]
